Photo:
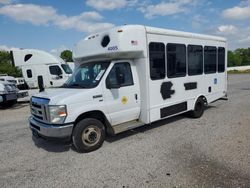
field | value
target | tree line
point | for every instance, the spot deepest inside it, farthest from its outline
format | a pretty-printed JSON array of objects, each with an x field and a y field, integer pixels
[
  {"x": 238, "y": 57},
  {"x": 6, "y": 66}
]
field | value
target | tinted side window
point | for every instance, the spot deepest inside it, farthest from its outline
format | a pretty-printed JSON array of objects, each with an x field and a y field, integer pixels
[
  {"x": 176, "y": 60},
  {"x": 157, "y": 60},
  {"x": 221, "y": 59},
  {"x": 195, "y": 60},
  {"x": 29, "y": 73},
  {"x": 124, "y": 69},
  {"x": 210, "y": 59},
  {"x": 55, "y": 70}
]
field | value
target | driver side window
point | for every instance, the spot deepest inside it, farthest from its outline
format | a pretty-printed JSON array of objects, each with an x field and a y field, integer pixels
[
  {"x": 120, "y": 68},
  {"x": 55, "y": 70}
]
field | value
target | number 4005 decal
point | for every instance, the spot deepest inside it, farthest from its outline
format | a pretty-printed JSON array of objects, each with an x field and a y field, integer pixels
[{"x": 112, "y": 48}]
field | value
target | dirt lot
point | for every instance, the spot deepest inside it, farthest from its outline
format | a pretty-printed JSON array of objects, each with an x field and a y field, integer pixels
[{"x": 213, "y": 151}]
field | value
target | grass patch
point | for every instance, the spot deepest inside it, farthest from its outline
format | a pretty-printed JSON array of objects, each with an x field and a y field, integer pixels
[{"x": 239, "y": 72}]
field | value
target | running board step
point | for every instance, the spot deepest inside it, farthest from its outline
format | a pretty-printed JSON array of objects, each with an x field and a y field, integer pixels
[{"x": 127, "y": 126}]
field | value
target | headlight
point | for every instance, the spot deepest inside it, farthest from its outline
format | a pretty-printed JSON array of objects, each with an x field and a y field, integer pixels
[
  {"x": 57, "y": 114},
  {"x": 5, "y": 91}
]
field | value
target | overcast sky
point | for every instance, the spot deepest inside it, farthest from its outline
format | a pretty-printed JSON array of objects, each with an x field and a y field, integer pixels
[{"x": 55, "y": 25}]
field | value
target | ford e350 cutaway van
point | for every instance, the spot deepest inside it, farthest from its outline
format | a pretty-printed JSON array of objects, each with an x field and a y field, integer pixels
[{"x": 130, "y": 76}]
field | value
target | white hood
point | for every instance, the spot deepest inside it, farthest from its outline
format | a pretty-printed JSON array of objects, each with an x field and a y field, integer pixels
[{"x": 67, "y": 96}]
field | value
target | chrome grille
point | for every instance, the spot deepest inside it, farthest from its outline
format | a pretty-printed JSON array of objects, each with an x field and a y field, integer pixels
[{"x": 39, "y": 108}]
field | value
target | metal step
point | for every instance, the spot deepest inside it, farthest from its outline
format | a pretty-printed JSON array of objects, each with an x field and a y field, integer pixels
[{"x": 127, "y": 126}]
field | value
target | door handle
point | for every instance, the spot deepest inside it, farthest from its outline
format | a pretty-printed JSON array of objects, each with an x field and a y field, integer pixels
[
  {"x": 97, "y": 96},
  {"x": 136, "y": 97}
]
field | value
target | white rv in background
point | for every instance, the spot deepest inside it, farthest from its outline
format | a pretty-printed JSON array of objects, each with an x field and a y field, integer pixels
[{"x": 33, "y": 63}]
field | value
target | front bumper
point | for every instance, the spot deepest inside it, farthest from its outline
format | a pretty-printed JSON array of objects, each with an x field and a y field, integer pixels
[
  {"x": 8, "y": 97},
  {"x": 49, "y": 130},
  {"x": 22, "y": 94}
]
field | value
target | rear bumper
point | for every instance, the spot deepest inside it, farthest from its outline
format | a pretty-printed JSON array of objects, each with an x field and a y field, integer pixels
[{"x": 50, "y": 131}]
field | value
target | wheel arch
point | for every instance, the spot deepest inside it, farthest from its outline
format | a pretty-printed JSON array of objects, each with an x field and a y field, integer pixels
[
  {"x": 99, "y": 115},
  {"x": 203, "y": 98}
]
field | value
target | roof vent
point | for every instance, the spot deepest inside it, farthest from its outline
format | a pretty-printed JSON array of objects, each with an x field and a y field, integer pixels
[{"x": 105, "y": 41}]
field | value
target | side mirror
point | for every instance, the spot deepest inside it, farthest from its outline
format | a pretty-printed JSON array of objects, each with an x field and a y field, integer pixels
[
  {"x": 59, "y": 76},
  {"x": 120, "y": 77}
]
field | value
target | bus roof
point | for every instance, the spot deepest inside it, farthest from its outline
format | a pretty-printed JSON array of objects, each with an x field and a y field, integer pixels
[{"x": 160, "y": 31}]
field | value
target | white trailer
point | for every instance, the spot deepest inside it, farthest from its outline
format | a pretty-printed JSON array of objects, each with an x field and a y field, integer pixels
[
  {"x": 33, "y": 63},
  {"x": 130, "y": 76}
]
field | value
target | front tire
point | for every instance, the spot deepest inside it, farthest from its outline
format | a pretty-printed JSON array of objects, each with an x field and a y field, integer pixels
[
  {"x": 88, "y": 135},
  {"x": 198, "y": 109}
]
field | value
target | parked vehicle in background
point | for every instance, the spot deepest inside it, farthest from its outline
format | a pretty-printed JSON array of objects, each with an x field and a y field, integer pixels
[
  {"x": 6, "y": 78},
  {"x": 130, "y": 76},
  {"x": 8, "y": 93},
  {"x": 21, "y": 84},
  {"x": 37, "y": 63},
  {"x": 13, "y": 82}
]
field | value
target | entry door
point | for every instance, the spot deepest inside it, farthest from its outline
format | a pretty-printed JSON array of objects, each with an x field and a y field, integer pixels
[{"x": 123, "y": 102}]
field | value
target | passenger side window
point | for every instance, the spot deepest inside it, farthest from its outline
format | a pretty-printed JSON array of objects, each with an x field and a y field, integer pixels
[
  {"x": 29, "y": 73},
  {"x": 55, "y": 70},
  {"x": 195, "y": 60},
  {"x": 176, "y": 60},
  {"x": 221, "y": 59},
  {"x": 157, "y": 60},
  {"x": 123, "y": 69},
  {"x": 210, "y": 59}
]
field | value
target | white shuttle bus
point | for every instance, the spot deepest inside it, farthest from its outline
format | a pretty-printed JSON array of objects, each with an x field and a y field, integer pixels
[{"x": 130, "y": 76}]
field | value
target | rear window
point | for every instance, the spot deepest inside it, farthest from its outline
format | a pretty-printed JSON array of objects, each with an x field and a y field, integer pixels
[
  {"x": 210, "y": 59},
  {"x": 221, "y": 59}
]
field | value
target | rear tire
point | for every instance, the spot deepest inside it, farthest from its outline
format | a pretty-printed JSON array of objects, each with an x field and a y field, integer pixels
[
  {"x": 88, "y": 135},
  {"x": 198, "y": 108}
]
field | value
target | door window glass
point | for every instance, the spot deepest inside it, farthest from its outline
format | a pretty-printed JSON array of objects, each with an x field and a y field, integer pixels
[
  {"x": 55, "y": 70},
  {"x": 124, "y": 69},
  {"x": 29, "y": 73}
]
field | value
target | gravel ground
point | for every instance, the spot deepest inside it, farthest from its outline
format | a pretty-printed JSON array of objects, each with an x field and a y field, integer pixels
[{"x": 213, "y": 151}]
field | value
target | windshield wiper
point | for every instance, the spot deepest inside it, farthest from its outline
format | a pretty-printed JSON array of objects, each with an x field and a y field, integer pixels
[{"x": 73, "y": 86}]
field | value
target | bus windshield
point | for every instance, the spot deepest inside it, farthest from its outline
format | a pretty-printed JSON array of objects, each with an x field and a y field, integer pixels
[{"x": 88, "y": 75}]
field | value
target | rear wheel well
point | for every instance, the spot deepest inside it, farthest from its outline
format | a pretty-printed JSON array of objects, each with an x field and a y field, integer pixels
[
  {"x": 204, "y": 99},
  {"x": 96, "y": 115}
]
